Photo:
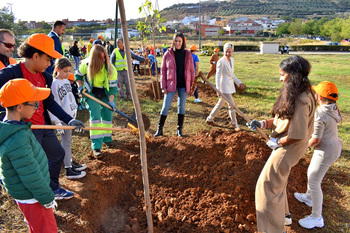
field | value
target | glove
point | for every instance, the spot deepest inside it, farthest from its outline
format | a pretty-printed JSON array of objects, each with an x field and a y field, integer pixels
[
  {"x": 257, "y": 124},
  {"x": 80, "y": 90},
  {"x": 59, "y": 131},
  {"x": 273, "y": 143},
  {"x": 112, "y": 104},
  {"x": 50, "y": 205},
  {"x": 78, "y": 125}
]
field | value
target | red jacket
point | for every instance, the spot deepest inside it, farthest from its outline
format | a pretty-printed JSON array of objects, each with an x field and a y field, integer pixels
[{"x": 168, "y": 72}]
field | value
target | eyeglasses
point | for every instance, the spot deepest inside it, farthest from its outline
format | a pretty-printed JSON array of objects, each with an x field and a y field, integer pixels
[
  {"x": 36, "y": 105},
  {"x": 8, "y": 45}
]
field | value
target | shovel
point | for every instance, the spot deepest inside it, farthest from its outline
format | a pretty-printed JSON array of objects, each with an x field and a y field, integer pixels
[{"x": 131, "y": 120}]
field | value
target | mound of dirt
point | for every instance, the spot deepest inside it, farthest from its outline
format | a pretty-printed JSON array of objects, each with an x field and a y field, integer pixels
[{"x": 203, "y": 183}]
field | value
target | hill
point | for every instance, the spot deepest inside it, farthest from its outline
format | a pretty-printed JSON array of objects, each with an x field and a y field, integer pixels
[{"x": 273, "y": 8}]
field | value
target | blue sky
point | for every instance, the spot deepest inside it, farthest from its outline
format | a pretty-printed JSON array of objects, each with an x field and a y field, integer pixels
[{"x": 48, "y": 10}]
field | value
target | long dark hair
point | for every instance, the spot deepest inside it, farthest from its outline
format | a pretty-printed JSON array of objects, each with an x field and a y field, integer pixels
[
  {"x": 298, "y": 70},
  {"x": 179, "y": 34}
]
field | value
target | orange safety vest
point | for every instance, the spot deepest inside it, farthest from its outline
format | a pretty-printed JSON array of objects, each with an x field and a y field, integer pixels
[{"x": 12, "y": 61}]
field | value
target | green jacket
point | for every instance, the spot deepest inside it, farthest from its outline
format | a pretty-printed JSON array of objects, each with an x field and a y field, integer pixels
[{"x": 24, "y": 169}]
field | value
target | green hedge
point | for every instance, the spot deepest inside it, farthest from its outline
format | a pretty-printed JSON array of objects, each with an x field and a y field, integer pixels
[
  {"x": 237, "y": 48},
  {"x": 337, "y": 48}
]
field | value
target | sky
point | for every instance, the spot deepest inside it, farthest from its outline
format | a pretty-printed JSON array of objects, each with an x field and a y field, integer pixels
[{"x": 49, "y": 10}]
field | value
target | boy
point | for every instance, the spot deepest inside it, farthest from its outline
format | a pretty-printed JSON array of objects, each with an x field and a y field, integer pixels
[
  {"x": 196, "y": 67},
  {"x": 24, "y": 167},
  {"x": 37, "y": 51}
]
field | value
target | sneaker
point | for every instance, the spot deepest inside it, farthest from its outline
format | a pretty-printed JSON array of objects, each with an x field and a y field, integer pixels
[
  {"x": 97, "y": 153},
  {"x": 237, "y": 127},
  {"x": 77, "y": 166},
  {"x": 197, "y": 100},
  {"x": 71, "y": 173},
  {"x": 62, "y": 194},
  {"x": 212, "y": 123},
  {"x": 303, "y": 198},
  {"x": 310, "y": 222},
  {"x": 288, "y": 219}
]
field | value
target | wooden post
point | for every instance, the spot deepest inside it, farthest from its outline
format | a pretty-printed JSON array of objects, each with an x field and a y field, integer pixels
[{"x": 138, "y": 117}]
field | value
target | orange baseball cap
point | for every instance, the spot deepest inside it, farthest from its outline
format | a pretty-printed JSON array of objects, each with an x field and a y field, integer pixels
[
  {"x": 45, "y": 44},
  {"x": 18, "y": 91},
  {"x": 71, "y": 77},
  {"x": 92, "y": 40},
  {"x": 327, "y": 90},
  {"x": 100, "y": 37},
  {"x": 193, "y": 48},
  {"x": 151, "y": 47},
  {"x": 216, "y": 50}
]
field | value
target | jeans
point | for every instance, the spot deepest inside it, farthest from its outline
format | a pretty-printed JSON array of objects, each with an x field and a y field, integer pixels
[
  {"x": 181, "y": 101},
  {"x": 54, "y": 152},
  {"x": 76, "y": 60}
]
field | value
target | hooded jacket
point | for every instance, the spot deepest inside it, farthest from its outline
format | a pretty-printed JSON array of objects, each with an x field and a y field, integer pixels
[
  {"x": 168, "y": 72},
  {"x": 24, "y": 169},
  {"x": 327, "y": 118}
]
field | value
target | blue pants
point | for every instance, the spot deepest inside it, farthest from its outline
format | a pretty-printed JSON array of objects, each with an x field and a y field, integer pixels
[
  {"x": 76, "y": 60},
  {"x": 153, "y": 69},
  {"x": 54, "y": 152},
  {"x": 181, "y": 101}
]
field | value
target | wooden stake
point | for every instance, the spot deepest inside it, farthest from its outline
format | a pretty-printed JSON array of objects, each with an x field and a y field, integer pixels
[
  {"x": 139, "y": 119},
  {"x": 200, "y": 74}
]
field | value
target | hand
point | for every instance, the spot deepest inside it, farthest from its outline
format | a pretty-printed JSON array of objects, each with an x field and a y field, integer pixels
[
  {"x": 241, "y": 86},
  {"x": 112, "y": 104},
  {"x": 254, "y": 124},
  {"x": 59, "y": 131},
  {"x": 50, "y": 205},
  {"x": 78, "y": 125},
  {"x": 164, "y": 91},
  {"x": 80, "y": 90},
  {"x": 273, "y": 144}
]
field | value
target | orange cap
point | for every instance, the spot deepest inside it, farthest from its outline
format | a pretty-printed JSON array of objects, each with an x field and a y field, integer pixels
[
  {"x": 216, "y": 50},
  {"x": 18, "y": 91},
  {"x": 151, "y": 47},
  {"x": 71, "y": 77},
  {"x": 193, "y": 48},
  {"x": 327, "y": 90},
  {"x": 92, "y": 40},
  {"x": 100, "y": 37},
  {"x": 45, "y": 44}
]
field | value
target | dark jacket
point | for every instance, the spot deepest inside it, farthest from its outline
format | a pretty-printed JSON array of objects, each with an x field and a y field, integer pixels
[
  {"x": 24, "y": 167},
  {"x": 58, "y": 48},
  {"x": 74, "y": 51},
  {"x": 12, "y": 72}
]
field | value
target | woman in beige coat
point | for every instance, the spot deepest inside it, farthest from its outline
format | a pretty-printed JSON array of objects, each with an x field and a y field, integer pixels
[
  {"x": 292, "y": 127},
  {"x": 225, "y": 83}
]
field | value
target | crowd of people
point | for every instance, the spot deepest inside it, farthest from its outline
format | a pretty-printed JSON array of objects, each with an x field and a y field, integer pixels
[{"x": 40, "y": 91}]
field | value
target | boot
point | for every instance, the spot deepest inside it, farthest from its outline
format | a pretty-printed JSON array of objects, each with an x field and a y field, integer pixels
[
  {"x": 180, "y": 122},
  {"x": 161, "y": 122}
]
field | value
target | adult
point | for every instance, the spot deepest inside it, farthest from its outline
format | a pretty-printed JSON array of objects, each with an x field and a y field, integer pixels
[
  {"x": 164, "y": 48},
  {"x": 225, "y": 83},
  {"x": 99, "y": 41},
  {"x": 97, "y": 75},
  {"x": 7, "y": 46},
  {"x": 110, "y": 48},
  {"x": 213, "y": 60},
  {"x": 37, "y": 52},
  {"x": 292, "y": 126},
  {"x": 177, "y": 74},
  {"x": 58, "y": 29},
  {"x": 74, "y": 51},
  {"x": 89, "y": 46},
  {"x": 118, "y": 59}
]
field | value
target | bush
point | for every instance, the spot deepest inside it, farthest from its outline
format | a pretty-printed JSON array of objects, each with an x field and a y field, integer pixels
[
  {"x": 236, "y": 48},
  {"x": 319, "y": 48}
]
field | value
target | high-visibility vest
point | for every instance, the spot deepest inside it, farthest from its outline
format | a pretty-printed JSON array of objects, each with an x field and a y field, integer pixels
[
  {"x": 12, "y": 61},
  {"x": 120, "y": 62}
]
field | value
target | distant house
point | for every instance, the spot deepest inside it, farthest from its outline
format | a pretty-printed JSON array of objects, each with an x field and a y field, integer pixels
[
  {"x": 209, "y": 30},
  {"x": 247, "y": 28}
]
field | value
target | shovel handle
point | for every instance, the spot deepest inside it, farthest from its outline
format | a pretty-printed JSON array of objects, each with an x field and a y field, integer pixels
[
  {"x": 73, "y": 127},
  {"x": 200, "y": 74}
]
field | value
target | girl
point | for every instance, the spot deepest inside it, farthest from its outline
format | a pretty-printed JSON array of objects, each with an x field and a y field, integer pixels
[
  {"x": 97, "y": 74},
  {"x": 225, "y": 82},
  {"x": 62, "y": 91},
  {"x": 74, "y": 51},
  {"x": 177, "y": 75},
  {"x": 292, "y": 127},
  {"x": 327, "y": 150}
]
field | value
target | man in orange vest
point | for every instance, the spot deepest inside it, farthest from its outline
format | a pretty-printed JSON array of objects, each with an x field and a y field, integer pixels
[{"x": 7, "y": 46}]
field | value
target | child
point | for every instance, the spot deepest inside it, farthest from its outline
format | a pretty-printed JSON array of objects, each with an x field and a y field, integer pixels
[
  {"x": 74, "y": 86},
  {"x": 24, "y": 170},
  {"x": 37, "y": 51},
  {"x": 62, "y": 91},
  {"x": 327, "y": 150},
  {"x": 196, "y": 67},
  {"x": 213, "y": 60}
]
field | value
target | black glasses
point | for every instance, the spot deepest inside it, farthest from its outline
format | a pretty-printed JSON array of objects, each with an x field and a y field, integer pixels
[
  {"x": 36, "y": 105},
  {"x": 8, "y": 45}
]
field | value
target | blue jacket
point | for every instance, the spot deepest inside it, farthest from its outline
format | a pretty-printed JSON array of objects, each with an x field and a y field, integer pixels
[
  {"x": 58, "y": 48},
  {"x": 15, "y": 71},
  {"x": 24, "y": 169}
]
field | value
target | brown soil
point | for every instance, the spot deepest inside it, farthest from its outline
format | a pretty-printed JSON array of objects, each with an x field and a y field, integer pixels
[{"x": 203, "y": 183}]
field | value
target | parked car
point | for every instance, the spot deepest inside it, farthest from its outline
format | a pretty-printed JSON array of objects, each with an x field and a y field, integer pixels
[{"x": 332, "y": 43}]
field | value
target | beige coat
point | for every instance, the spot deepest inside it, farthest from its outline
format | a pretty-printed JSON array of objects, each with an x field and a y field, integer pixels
[{"x": 225, "y": 77}]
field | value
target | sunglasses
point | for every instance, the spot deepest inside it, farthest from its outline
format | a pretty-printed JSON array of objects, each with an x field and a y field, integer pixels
[
  {"x": 36, "y": 105},
  {"x": 8, "y": 45}
]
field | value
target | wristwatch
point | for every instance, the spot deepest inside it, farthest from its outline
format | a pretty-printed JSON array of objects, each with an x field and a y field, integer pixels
[{"x": 278, "y": 141}]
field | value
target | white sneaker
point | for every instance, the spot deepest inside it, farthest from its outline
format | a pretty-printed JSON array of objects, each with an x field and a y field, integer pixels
[
  {"x": 302, "y": 197},
  {"x": 197, "y": 100},
  {"x": 310, "y": 222},
  {"x": 288, "y": 220}
]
